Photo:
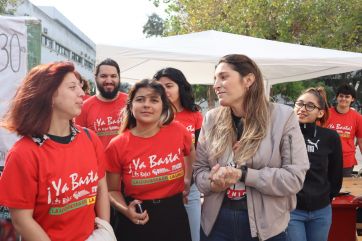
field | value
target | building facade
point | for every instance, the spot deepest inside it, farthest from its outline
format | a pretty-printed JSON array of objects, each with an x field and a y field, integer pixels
[{"x": 60, "y": 39}]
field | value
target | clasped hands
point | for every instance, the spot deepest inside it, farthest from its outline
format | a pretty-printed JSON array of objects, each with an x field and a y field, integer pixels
[{"x": 223, "y": 177}]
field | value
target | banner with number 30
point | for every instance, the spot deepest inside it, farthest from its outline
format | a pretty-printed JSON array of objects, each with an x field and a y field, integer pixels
[{"x": 13, "y": 67}]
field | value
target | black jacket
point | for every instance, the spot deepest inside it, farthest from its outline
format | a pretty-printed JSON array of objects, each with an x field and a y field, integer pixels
[{"x": 324, "y": 178}]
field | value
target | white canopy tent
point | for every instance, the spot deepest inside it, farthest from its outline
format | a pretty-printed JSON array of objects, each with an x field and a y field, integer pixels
[{"x": 196, "y": 54}]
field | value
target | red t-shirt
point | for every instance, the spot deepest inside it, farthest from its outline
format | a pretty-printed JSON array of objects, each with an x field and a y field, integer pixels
[
  {"x": 58, "y": 181},
  {"x": 191, "y": 120},
  {"x": 348, "y": 126},
  {"x": 151, "y": 168},
  {"x": 102, "y": 117}
]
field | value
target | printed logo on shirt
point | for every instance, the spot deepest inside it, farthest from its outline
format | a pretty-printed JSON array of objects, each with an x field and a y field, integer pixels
[
  {"x": 191, "y": 129},
  {"x": 236, "y": 191},
  {"x": 66, "y": 194},
  {"x": 107, "y": 127},
  {"x": 342, "y": 130},
  {"x": 72, "y": 206},
  {"x": 312, "y": 146},
  {"x": 137, "y": 182},
  {"x": 156, "y": 168}
]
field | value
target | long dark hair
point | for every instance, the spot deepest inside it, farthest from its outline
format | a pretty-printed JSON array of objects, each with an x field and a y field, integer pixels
[
  {"x": 185, "y": 89},
  {"x": 31, "y": 109},
  {"x": 167, "y": 115}
]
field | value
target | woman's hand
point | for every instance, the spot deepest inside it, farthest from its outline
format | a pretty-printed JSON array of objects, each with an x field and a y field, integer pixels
[
  {"x": 186, "y": 191},
  {"x": 231, "y": 175},
  {"x": 136, "y": 218},
  {"x": 223, "y": 177}
]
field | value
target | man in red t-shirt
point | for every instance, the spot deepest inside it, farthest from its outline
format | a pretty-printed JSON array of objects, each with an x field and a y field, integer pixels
[
  {"x": 102, "y": 113},
  {"x": 348, "y": 124}
]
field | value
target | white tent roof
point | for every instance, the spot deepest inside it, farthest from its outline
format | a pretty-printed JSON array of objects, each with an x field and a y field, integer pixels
[{"x": 197, "y": 53}]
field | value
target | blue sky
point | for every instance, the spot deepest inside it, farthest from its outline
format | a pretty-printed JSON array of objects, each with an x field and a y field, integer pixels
[{"x": 106, "y": 21}]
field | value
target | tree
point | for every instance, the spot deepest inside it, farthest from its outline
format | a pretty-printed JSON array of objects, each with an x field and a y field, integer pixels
[
  {"x": 8, "y": 6},
  {"x": 331, "y": 24},
  {"x": 292, "y": 90},
  {"x": 323, "y": 23},
  {"x": 204, "y": 93},
  {"x": 154, "y": 26}
]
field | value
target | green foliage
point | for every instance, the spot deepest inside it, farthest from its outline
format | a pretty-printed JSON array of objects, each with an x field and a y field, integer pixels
[
  {"x": 157, "y": 2},
  {"x": 154, "y": 26},
  {"x": 200, "y": 92},
  {"x": 93, "y": 87},
  {"x": 324, "y": 23},
  {"x": 333, "y": 24},
  {"x": 8, "y": 6},
  {"x": 293, "y": 90},
  {"x": 290, "y": 90}
]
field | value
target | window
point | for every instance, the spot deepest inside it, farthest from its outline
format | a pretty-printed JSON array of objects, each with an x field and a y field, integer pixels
[
  {"x": 62, "y": 50},
  {"x": 77, "y": 58},
  {"x": 47, "y": 42},
  {"x": 88, "y": 64}
]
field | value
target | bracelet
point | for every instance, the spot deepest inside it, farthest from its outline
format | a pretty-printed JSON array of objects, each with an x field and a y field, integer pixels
[{"x": 244, "y": 171}]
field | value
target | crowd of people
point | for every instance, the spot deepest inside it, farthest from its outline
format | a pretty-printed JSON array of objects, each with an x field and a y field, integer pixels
[{"x": 133, "y": 167}]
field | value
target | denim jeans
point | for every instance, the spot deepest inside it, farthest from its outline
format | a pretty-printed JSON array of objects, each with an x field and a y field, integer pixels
[
  {"x": 310, "y": 225},
  {"x": 193, "y": 209},
  {"x": 232, "y": 225}
]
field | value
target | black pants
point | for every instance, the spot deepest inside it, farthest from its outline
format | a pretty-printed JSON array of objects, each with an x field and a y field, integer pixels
[{"x": 168, "y": 222}]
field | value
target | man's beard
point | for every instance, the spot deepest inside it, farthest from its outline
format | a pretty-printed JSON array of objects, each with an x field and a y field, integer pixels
[{"x": 106, "y": 94}]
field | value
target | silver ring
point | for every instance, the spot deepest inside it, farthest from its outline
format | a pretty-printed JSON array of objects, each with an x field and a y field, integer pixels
[{"x": 138, "y": 221}]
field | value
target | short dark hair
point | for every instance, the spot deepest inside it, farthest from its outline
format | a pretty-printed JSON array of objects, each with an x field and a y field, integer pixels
[
  {"x": 128, "y": 120},
  {"x": 347, "y": 90},
  {"x": 184, "y": 87},
  {"x": 110, "y": 62},
  {"x": 31, "y": 108}
]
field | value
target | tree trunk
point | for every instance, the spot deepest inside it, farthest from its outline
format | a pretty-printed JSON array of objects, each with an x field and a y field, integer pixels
[{"x": 211, "y": 96}]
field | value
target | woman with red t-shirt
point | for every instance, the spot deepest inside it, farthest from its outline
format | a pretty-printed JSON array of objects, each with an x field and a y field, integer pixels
[
  {"x": 179, "y": 93},
  {"x": 54, "y": 179},
  {"x": 152, "y": 158}
]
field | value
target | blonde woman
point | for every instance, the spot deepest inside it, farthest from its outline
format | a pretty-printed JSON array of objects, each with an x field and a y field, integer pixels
[{"x": 251, "y": 158}]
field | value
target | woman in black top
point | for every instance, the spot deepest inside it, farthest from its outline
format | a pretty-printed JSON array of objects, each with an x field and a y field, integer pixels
[{"x": 312, "y": 218}]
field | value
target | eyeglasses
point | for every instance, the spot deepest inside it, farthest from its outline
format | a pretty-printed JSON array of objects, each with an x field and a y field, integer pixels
[{"x": 308, "y": 106}]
